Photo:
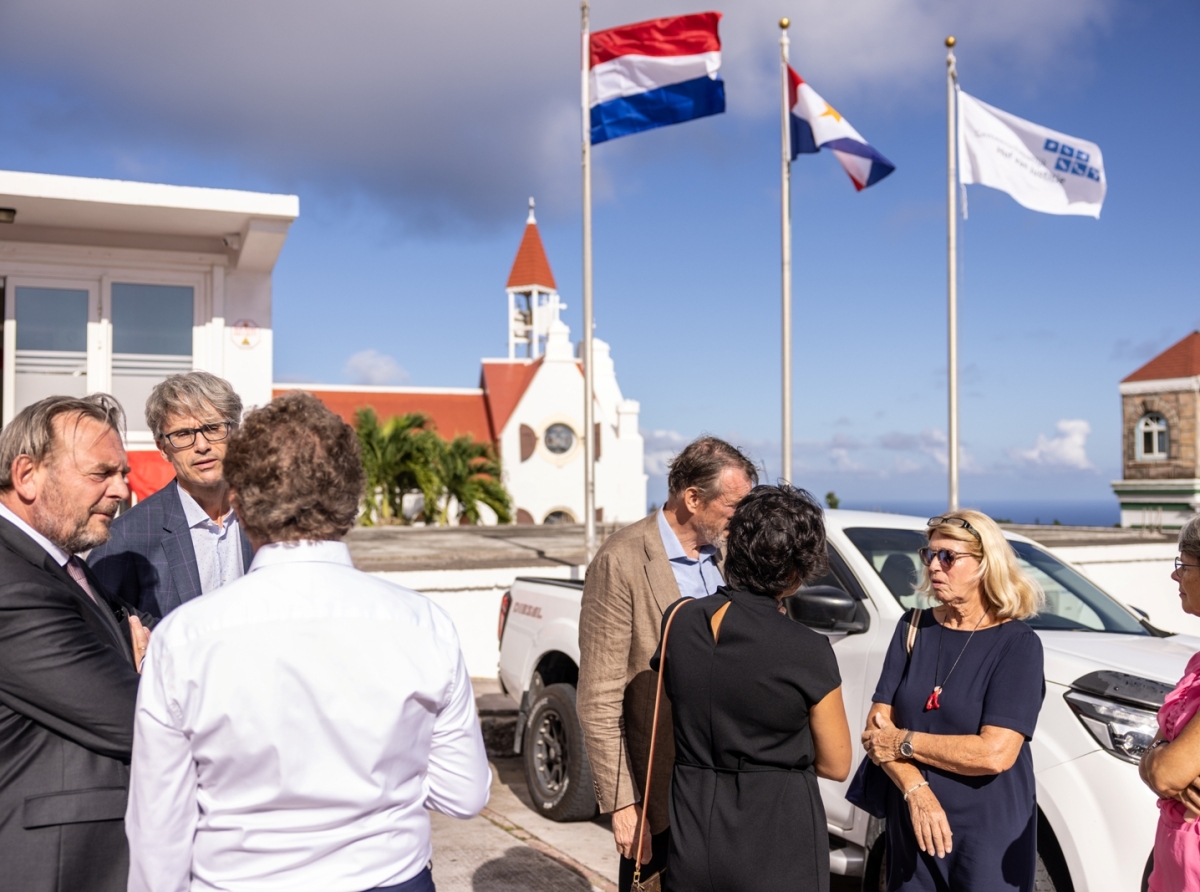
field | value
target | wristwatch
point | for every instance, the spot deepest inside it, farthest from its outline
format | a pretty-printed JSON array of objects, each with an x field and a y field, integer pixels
[{"x": 906, "y": 749}]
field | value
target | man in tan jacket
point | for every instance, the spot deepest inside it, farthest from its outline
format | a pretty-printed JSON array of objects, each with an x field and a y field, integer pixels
[{"x": 639, "y": 572}]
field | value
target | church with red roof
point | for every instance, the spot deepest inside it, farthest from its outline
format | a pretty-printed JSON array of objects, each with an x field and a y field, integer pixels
[
  {"x": 529, "y": 405},
  {"x": 1160, "y": 405}
]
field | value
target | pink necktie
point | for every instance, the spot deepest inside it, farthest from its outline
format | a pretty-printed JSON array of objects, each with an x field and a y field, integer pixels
[{"x": 75, "y": 568}]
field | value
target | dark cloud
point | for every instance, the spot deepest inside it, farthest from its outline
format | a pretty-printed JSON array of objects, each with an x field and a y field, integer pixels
[{"x": 440, "y": 112}]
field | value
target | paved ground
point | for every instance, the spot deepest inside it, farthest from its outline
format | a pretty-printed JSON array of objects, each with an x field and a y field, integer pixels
[{"x": 511, "y": 848}]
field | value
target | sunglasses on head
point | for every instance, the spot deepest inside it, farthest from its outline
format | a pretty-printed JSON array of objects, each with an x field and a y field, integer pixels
[
  {"x": 944, "y": 556},
  {"x": 953, "y": 522}
]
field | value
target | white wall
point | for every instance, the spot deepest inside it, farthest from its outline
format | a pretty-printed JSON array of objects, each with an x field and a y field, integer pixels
[{"x": 1140, "y": 576}]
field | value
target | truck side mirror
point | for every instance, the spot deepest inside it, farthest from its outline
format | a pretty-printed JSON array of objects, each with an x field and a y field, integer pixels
[{"x": 827, "y": 609}]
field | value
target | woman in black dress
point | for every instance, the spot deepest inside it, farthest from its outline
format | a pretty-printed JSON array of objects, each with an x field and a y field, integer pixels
[
  {"x": 952, "y": 721},
  {"x": 757, "y": 706}
]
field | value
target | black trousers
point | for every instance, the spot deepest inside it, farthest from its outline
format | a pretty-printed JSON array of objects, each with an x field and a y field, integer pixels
[{"x": 658, "y": 861}]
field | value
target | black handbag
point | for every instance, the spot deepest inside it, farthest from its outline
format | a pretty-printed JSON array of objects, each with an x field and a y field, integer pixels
[{"x": 869, "y": 788}]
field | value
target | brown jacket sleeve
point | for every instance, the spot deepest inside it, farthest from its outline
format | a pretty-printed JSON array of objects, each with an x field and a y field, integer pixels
[{"x": 605, "y": 635}]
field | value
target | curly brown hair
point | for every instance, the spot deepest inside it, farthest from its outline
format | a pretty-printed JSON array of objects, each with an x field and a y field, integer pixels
[{"x": 296, "y": 470}]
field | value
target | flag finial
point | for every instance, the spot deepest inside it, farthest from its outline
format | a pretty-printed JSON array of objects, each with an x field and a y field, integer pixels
[
  {"x": 530, "y": 218},
  {"x": 950, "y": 41},
  {"x": 784, "y": 22}
]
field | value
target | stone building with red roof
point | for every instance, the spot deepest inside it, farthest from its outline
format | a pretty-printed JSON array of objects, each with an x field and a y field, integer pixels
[
  {"x": 1160, "y": 403},
  {"x": 529, "y": 405}
]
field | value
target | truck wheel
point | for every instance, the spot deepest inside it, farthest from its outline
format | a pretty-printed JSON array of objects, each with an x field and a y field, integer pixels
[
  {"x": 556, "y": 764},
  {"x": 875, "y": 870}
]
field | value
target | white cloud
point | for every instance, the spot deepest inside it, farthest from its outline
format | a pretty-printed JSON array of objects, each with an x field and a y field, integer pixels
[
  {"x": 661, "y": 447},
  {"x": 448, "y": 112},
  {"x": 1068, "y": 449},
  {"x": 372, "y": 367}
]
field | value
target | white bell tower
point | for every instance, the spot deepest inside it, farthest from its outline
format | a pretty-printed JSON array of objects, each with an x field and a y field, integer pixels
[{"x": 533, "y": 301}]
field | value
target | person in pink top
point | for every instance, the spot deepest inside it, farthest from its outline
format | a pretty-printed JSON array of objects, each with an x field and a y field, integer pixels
[{"x": 1171, "y": 766}]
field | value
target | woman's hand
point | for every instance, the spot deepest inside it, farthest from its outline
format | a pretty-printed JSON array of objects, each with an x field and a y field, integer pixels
[
  {"x": 929, "y": 822},
  {"x": 882, "y": 739}
]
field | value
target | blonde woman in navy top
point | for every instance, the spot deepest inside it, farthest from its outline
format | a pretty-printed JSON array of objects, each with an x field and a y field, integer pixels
[{"x": 951, "y": 722}]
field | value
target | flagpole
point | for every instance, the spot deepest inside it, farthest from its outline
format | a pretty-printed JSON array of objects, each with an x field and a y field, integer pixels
[
  {"x": 952, "y": 272},
  {"x": 589, "y": 432},
  {"x": 785, "y": 179}
]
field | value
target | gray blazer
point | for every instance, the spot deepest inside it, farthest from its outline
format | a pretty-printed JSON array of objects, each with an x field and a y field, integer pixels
[
  {"x": 149, "y": 560},
  {"x": 67, "y": 693}
]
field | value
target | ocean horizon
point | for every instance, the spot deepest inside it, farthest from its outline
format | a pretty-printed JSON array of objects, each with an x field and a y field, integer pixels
[{"x": 1069, "y": 512}]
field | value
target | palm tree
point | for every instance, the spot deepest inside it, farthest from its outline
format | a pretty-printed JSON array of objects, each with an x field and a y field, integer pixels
[
  {"x": 469, "y": 473},
  {"x": 399, "y": 456}
]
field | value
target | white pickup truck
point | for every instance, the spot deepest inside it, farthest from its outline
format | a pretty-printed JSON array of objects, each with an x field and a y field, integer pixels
[{"x": 1107, "y": 671}]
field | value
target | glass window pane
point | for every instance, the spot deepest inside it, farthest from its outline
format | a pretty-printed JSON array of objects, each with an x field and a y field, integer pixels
[
  {"x": 1147, "y": 443},
  {"x": 52, "y": 319},
  {"x": 154, "y": 319},
  {"x": 1072, "y": 602},
  {"x": 1162, "y": 442}
]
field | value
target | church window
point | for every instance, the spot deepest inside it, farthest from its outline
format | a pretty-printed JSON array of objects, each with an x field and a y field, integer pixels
[
  {"x": 1153, "y": 438},
  {"x": 559, "y": 439}
]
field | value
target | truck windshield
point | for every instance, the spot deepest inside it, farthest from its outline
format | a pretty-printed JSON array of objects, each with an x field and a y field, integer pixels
[{"x": 1072, "y": 602}]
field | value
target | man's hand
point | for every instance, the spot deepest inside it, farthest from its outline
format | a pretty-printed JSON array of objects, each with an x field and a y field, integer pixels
[
  {"x": 624, "y": 823},
  {"x": 140, "y": 636},
  {"x": 882, "y": 742}
]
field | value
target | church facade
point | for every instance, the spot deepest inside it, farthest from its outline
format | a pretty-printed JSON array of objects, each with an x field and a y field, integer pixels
[
  {"x": 529, "y": 405},
  {"x": 1160, "y": 405}
]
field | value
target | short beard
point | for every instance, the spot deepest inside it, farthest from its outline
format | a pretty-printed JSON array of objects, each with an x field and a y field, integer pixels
[
  {"x": 715, "y": 538},
  {"x": 54, "y": 518}
]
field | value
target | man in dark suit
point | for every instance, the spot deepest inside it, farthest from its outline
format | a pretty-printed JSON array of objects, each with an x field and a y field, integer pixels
[
  {"x": 69, "y": 653},
  {"x": 185, "y": 539}
]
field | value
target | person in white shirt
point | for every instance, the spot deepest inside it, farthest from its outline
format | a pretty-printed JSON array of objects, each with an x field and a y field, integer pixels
[{"x": 293, "y": 727}]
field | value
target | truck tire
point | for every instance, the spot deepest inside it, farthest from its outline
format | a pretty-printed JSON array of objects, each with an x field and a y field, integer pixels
[
  {"x": 556, "y": 765},
  {"x": 875, "y": 870}
]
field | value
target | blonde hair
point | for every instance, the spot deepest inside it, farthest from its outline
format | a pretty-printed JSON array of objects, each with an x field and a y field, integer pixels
[{"x": 1010, "y": 591}]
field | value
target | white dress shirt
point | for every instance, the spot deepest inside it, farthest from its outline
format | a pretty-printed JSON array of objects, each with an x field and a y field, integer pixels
[
  {"x": 218, "y": 546},
  {"x": 293, "y": 727}
]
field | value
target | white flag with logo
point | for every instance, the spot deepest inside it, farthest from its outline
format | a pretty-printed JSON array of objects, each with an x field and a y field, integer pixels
[{"x": 1042, "y": 169}]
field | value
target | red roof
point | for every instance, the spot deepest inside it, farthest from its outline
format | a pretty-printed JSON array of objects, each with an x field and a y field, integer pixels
[
  {"x": 452, "y": 413},
  {"x": 531, "y": 266},
  {"x": 1181, "y": 360},
  {"x": 505, "y": 383}
]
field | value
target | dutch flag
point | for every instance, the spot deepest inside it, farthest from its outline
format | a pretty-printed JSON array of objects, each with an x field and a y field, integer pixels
[
  {"x": 816, "y": 125},
  {"x": 655, "y": 73}
]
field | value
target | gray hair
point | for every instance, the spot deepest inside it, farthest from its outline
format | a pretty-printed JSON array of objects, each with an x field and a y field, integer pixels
[
  {"x": 194, "y": 393},
  {"x": 32, "y": 431},
  {"x": 1189, "y": 537},
  {"x": 701, "y": 464}
]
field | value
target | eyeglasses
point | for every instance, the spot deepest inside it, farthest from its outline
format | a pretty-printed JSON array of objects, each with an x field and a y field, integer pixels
[
  {"x": 213, "y": 433},
  {"x": 954, "y": 522},
  {"x": 1180, "y": 565},
  {"x": 944, "y": 556}
]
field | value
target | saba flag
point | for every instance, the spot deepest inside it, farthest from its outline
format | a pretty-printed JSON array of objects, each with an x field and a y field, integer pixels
[
  {"x": 655, "y": 73},
  {"x": 816, "y": 125},
  {"x": 1042, "y": 169}
]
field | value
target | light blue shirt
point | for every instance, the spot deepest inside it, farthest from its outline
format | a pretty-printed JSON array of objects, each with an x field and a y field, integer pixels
[
  {"x": 697, "y": 577},
  {"x": 218, "y": 547}
]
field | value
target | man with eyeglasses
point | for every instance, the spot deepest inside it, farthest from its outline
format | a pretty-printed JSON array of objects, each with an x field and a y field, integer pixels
[{"x": 185, "y": 540}]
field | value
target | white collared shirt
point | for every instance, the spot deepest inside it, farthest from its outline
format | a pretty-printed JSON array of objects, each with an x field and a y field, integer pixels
[
  {"x": 60, "y": 556},
  {"x": 218, "y": 546},
  {"x": 293, "y": 727}
]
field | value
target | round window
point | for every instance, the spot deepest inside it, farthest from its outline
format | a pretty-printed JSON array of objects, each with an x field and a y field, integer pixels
[{"x": 559, "y": 439}]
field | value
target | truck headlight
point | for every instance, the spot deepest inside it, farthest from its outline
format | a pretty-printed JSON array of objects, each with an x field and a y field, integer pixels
[{"x": 1125, "y": 731}]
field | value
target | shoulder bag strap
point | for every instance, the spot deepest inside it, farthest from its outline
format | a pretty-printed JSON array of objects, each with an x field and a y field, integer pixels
[
  {"x": 910, "y": 640},
  {"x": 662, "y": 663}
]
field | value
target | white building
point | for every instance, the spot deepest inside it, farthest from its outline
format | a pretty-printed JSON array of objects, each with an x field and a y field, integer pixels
[
  {"x": 111, "y": 286},
  {"x": 531, "y": 407}
]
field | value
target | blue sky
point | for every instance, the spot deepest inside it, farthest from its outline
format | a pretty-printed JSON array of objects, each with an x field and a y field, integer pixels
[{"x": 414, "y": 133}]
